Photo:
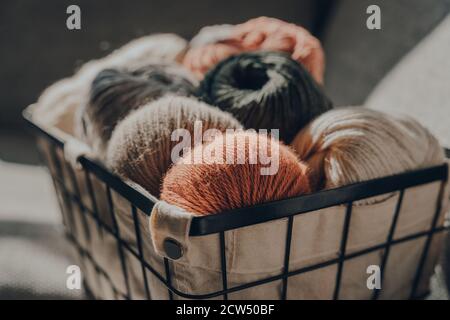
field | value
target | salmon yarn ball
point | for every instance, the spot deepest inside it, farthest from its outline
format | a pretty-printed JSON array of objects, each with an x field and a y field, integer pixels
[
  {"x": 265, "y": 90},
  {"x": 266, "y": 33},
  {"x": 141, "y": 145},
  {"x": 261, "y": 33},
  {"x": 205, "y": 188},
  {"x": 115, "y": 93},
  {"x": 200, "y": 59},
  {"x": 209, "y": 46},
  {"x": 354, "y": 144}
]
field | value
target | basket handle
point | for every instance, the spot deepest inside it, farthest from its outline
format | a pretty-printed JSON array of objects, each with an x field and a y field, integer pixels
[{"x": 169, "y": 228}]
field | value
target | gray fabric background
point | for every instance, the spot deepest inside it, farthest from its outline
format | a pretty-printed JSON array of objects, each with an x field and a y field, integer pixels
[
  {"x": 37, "y": 48},
  {"x": 357, "y": 58},
  {"x": 419, "y": 85}
]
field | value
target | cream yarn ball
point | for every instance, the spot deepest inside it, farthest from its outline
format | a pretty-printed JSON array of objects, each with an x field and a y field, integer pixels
[
  {"x": 212, "y": 34},
  {"x": 354, "y": 144},
  {"x": 58, "y": 103},
  {"x": 141, "y": 147}
]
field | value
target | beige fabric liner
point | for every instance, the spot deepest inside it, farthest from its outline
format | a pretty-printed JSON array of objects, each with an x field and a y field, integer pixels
[{"x": 257, "y": 252}]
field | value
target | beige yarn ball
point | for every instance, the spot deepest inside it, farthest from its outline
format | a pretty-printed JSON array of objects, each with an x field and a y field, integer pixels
[
  {"x": 141, "y": 145},
  {"x": 354, "y": 144},
  {"x": 58, "y": 104}
]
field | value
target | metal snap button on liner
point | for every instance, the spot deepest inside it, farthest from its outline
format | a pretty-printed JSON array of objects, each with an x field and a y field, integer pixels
[{"x": 173, "y": 249}]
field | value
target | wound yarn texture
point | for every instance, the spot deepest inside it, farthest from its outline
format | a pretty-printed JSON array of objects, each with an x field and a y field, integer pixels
[
  {"x": 265, "y": 90},
  {"x": 354, "y": 144},
  {"x": 208, "y": 188},
  {"x": 141, "y": 145},
  {"x": 115, "y": 93}
]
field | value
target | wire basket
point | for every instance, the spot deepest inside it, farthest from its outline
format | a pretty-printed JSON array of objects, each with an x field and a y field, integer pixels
[{"x": 106, "y": 220}]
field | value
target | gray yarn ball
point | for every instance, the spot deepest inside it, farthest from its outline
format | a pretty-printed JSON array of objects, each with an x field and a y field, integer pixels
[
  {"x": 116, "y": 92},
  {"x": 265, "y": 90}
]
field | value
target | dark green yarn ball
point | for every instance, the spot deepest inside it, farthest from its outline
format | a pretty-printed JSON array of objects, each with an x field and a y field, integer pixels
[{"x": 265, "y": 90}]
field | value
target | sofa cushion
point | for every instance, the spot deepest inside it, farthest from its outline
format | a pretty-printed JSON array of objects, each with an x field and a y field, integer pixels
[
  {"x": 419, "y": 84},
  {"x": 358, "y": 58}
]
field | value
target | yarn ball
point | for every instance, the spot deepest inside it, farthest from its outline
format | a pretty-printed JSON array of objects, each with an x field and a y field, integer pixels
[
  {"x": 265, "y": 90},
  {"x": 115, "y": 93},
  {"x": 210, "y": 45},
  {"x": 58, "y": 104},
  {"x": 141, "y": 145},
  {"x": 354, "y": 144},
  {"x": 220, "y": 42},
  {"x": 164, "y": 47},
  {"x": 218, "y": 186},
  {"x": 212, "y": 34},
  {"x": 200, "y": 59},
  {"x": 266, "y": 33},
  {"x": 151, "y": 49}
]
